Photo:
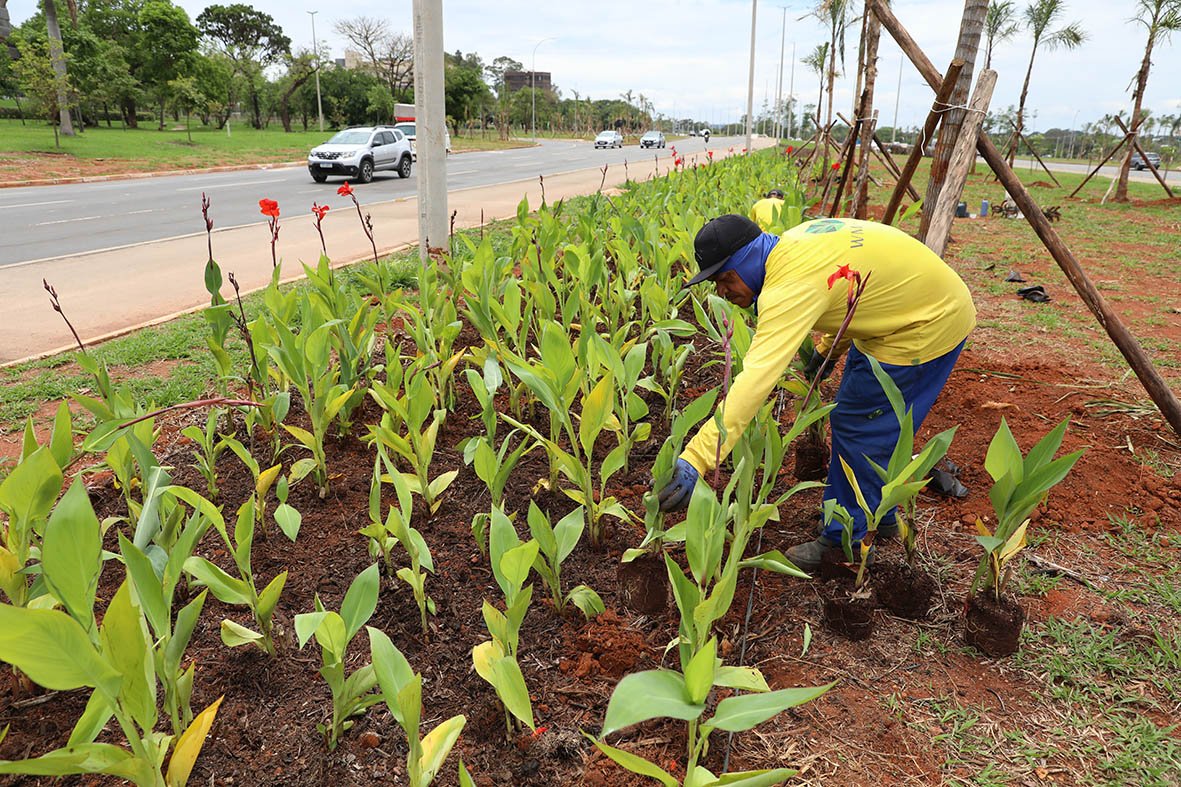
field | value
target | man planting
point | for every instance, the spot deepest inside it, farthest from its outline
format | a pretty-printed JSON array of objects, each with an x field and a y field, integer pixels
[
  {"x": 913, "y": 317},
  {"x": 764, "y": 212}
]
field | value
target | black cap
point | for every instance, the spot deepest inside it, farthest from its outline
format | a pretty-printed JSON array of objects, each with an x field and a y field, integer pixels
[
  {"x": 718, "y": 240},
  {"x": 775, "y": 193}
]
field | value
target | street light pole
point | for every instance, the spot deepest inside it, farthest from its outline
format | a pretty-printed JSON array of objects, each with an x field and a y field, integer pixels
[
  {"x": 316, "y": 50},
  {"x": 533, "y": 90},
  {"x": 897, "y": 95},
  {"x": 1072, "y": 120},
  {"x": 779, "y": 82},
  {"x": 750, "y": 85}
]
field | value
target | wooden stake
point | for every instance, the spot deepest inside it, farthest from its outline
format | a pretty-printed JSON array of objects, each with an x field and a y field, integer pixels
[
  {"x": 1029, "y": 147},
  {"x": 1099, "y": 166},
  {"x": 847, "y": 165},
  {"x": 1144, "y": 158},
  {"x": 962, "y": 154},
  {"x": 1133, "y": 353},
  {"x": 916, "y": 155}
]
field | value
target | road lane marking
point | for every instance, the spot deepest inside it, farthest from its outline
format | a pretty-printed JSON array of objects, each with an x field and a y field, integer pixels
[
  {"x": 136, "y": 212},
  {"x": 36, "y": 204},
  {"x": 463, "y": 172},
  {"x": 212, "y": 186},
  {"x": 67, "y": 221}
]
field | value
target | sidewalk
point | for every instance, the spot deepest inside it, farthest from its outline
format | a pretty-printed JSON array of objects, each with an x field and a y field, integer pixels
[{"x": 106, "y": 294}]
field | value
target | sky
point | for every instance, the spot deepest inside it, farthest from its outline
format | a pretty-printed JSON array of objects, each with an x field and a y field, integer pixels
[{"x": 691, "y": 57}]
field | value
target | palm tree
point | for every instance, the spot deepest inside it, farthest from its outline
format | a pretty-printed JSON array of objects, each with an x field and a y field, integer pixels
[
  {"x": 816, "y": 62},
  {"x": 1161, "y": 18},
  {"x": 999, "y": 26},
  {"x": 1040, "y": 15},
  {"x": 836, "y": 14},
  {"x": 57, "y": 58}
]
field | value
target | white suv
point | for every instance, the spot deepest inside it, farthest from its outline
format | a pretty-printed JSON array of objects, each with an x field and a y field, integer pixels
[
  {"x": 410, "y": 129},
  {"x": 359, "y": 152}
]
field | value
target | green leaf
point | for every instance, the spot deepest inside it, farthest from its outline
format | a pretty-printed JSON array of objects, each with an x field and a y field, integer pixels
[
  {"x": 736, "y": 714},
  {"x": 635, "y": 764},
  {"x": 510, "y": 687},
  {"x": 288, "y": 519},
  {"x": 84, "y": 758},
  {"x": 61, "y": 441},
  {"x": 596, "y": 409},
  {"x": 390, "y": 667},
  {"x": 71, "y": 554},
  {"x": 28, "y": 492},
  {"x": 1004, "y": 455},
  {"x": 516, "y": 563},
  {"x": 765, "y": 778},
  {"x": 699, "y": 672},
  {"x": 744, "y": 678},
  {"x": 269, "y": 596},
  {"x": 235, "y": 634},
  {"x": 225, "y": 588},
  {"x": 53, "y": 650},
  {"x": 306, "y": 624},
  {"x": 587, "y": 601},
  {"x": 437, "y": 745},
  {"x": 649, "y": 695},
  {"x": 465, "y": 778},
  {"x": 147, "y": 586},
  {"x": 128, "y": 648},
  {"x": 360, "y": 600}
]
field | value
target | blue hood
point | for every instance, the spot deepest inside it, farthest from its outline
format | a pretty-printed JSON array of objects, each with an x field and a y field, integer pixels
[{"x": 750, "y": 262}]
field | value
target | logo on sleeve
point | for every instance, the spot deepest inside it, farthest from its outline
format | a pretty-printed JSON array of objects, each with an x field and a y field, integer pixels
[{"x": 823, "y": 226}]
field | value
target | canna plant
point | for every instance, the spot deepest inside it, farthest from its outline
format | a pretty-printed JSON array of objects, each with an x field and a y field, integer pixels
[
  {"x": 484, "y": 385},
  {"x": 333, "y": 631},
  {"x": 27, "y": 496},
  {"x": 304, "y": 358},
  {"x": 666, "y": 693},
  {"x": 263, "y": 481},
  {"x": 935, "y": 449},
  {"x": 1020, "y": 484},
  {"x": 401, "y": 688},
  {"x": 495, "y": 660},
  {"x": 494, "y": 468},
  {"x": 555, "y": 543},
  {"x": 241, "y": 591},
  {"x": 65, "y": 649},
  {"x": 209, "y": 448}
]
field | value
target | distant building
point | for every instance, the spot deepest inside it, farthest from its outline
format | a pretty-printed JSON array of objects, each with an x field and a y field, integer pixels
[{"x": 519, "y": 80}]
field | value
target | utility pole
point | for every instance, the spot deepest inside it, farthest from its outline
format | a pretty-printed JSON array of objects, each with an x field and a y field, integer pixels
[
  {"x": 316, "y": 51},
  {"x": 431, "y": 121},
  {"x": 779, "y": 82},
  {"x": 533, "y": 90},
  {"x": 750, "y": 85},
  {"x": 791, "y": 94}
]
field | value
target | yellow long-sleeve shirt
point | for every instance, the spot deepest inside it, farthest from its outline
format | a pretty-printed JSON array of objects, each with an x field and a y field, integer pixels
[
  {"x": 764, "y": 212},
  {"x": 914, "y": 309}
]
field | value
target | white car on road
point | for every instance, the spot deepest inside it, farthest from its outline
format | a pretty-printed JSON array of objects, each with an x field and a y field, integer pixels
[
  {"x": 359, "y": 152},
  {"x": 410, "y": 129},
  {"x": 609, "y": 139}
]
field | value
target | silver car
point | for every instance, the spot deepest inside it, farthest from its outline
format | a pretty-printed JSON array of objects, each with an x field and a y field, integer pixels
[
  {"x": 359, "y": 152},
  {"x": 653, "y": 139},
  {"x": 609, "y": 139},
  {"x": 410, "y": 129}
]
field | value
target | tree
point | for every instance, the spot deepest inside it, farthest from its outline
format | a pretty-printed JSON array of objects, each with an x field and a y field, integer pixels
[
  {"x": 816, "y": 62},
  {"x": 496, "y": 73},
  {"x": 1040, "y": 15},
  {"x": 168, "y": 42},
  {"x": 57, "y": 58},
  {"x": 186, "y": 96},
  {"x": 390, "y": 55},
  {"x": 835, "y": 13},
  {"x": 1161, "y": 18},
  {"x": 465, "y": 93},
  {"x": 999, "y": 26},
  {"x": 300, "y": 68},
  {"x": 250, "y": 38},
  {"x": 39, "y": 80}
]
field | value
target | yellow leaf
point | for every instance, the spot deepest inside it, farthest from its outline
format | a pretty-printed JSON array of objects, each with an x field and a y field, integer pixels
[
  {"x": 1014, "y": 544},
  {"x": 849, "y": 474},
  {"x": 188, "y": 746},
  {"x": 266, "y": 478},
  {"x": 981, "y": 529},
  {"x": 484, "y": 656}
]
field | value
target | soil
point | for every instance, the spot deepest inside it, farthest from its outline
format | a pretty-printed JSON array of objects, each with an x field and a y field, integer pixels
[
  {"x": 993, "y": 627},
  {"x": 811, "y": 452},
  {"x": 903, "y": 589},
  {"x": 643, "y": 585},
  {"x": 846, "y": 612}
]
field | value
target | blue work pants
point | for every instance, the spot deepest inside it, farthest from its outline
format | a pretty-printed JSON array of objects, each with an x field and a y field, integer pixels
[{"x": 864, "y": 425}]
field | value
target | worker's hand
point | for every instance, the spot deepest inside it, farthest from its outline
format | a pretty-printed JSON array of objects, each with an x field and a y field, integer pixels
[
  {"x": 817, "y": 367},
  {"x": 675, "y": 496}
]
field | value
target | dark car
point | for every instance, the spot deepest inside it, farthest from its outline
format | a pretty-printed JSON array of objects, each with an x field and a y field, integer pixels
[{"x": 1138, "y": 162}]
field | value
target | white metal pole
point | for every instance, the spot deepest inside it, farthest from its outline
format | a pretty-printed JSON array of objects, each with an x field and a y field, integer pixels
[
  {"x": 316, "y": 51},
  {"x": 431, "y": 122},
  {"x": 779, "y": 82},
  {"x": 750, "y": 84},
  {"x": 791, "y": 94}
]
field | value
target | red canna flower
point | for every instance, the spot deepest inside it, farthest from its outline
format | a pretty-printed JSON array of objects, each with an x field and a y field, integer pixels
[
  {"x": 845, "y": 272},
  {"x": 744, "y": 150},
  {"x": 710, "y": 154},
  {"x": 836, "y": 165},
  {"x": 319, "y": 211},
  {"x": 790, "y": 149},
  {"x": 268, "y": 207},
  {"x": 345, "y": 190},
  {"x": 678, "y": 162}
]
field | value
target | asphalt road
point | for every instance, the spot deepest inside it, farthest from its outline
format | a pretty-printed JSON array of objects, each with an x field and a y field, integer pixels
[{"x": 46, "y": 222}]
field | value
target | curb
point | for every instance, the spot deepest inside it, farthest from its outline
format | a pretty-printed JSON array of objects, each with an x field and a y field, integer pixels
[{"x": 12, "y": 184}]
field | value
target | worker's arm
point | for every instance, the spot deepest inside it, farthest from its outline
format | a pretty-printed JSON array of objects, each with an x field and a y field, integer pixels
[
  {"x": 786, "y": 314},
  {"x": 825, "y": 344}
]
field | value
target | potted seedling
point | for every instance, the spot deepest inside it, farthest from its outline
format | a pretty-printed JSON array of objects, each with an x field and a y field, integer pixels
[
  {"x": 993, "y": 620},
  {"x": 847, "y": 605},
  {"x": 811, "y": 450}
]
